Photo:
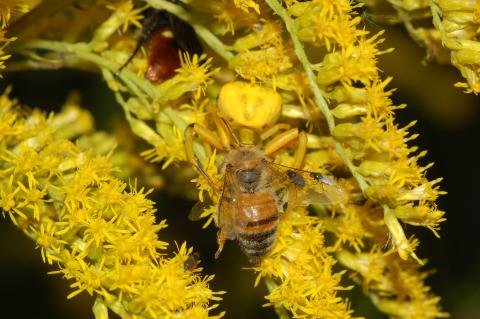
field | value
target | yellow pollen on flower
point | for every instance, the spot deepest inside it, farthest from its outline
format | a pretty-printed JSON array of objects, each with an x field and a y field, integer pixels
[
  {"x": 245, "y": 5},
  {"x": 126, "y": 13},
  {"x": 197, "y": 70},
  {"x": 85, "y": 222},
  {"x": 311, "y": 69},
  {"x": 9, "y": 8}
]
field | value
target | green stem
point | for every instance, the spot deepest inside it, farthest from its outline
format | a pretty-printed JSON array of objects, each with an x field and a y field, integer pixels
[
  {"x": 202, "y": 32},
  {"x": 135, "y": 84},
  {"x": 317, "y": 92},
  {"x": 138, "y": 127},
  {"x": 406, "y": 20}
]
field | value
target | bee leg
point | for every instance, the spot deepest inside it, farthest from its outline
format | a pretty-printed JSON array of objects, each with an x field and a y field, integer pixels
[{"x": 221, "y": 238}]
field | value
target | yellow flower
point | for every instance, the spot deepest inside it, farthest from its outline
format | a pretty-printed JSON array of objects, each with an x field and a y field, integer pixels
[
  {"x": 230, "y": 15},
  {"x": 196, "y": 72},
  {"x": 314, "y": 85},
  {"x": 262, "y": 64},
  {"x": 8, "y": 8},
  {"x": 325, "y": 22},
  {"x": 124, "y": 14},
  {"x": 354, "y": 63},
  {"x": 299, "y": 271},
  {"x": 3, "y": 43},
  {"x": 101, "y": 236},
  {"x": 246, "y": 4},
  {"x": 450, "y": 38},
  {"x": 127, "y": 14}
]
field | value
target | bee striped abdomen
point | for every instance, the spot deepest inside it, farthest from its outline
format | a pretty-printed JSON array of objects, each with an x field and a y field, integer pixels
[{"x": 257, "y": 222}]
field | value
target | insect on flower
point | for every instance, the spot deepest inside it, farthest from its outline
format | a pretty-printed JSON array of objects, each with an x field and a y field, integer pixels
[
  {"x": 192, "y": 261},
  {"x": 167, "y": 35},
  {"x": 254, "y": 191}
]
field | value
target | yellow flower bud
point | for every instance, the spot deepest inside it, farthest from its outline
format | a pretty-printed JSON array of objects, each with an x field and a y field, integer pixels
[
  {"x": 330, "y": 73},
  {"x": 265, "y": 33},
  {"x": 328, "y": 76},
  {"x": 349, "y": 94},
  {"x": 374, "y": 168},
  {"x": 409, "y": 212},
  {"x": 420, "y": 216},
  {"x": 399, "y": 239},
  {"x": 344, "y": 131},
  {"x": 453, "y": 5},
  {"x": 468, "y": 56},
  {"x": 347, "y": 110}
]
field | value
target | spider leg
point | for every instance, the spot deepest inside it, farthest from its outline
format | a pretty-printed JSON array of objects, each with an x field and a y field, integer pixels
[
  {"x": 225, "y": 132},
  {"x": 274, "y": 130},
  {"x": 285, "y": 138}
]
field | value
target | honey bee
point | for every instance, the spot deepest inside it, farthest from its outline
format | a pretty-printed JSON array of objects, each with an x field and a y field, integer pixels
[{"x": 255, "y": 192}]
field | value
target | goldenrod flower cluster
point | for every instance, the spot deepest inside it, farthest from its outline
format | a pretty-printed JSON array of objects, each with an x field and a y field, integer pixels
[
  {"x": 446, "y": 28},
  {"x": 99, "y": 232},
  {"x": 6, "y": 10},
  {"x": 458, "y": 24},
  {"x": 304, "y": 64}
]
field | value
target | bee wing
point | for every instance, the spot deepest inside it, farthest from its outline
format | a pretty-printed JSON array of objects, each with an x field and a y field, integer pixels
[
  {"x": 323, "y": 190},
  {"x": 283, "y": 187},
  {"x": 307, "y": 187},
  {"x": 225, "y": 216}
]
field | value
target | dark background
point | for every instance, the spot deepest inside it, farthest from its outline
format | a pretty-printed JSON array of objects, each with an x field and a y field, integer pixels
[{"x": 448, "y": 123}]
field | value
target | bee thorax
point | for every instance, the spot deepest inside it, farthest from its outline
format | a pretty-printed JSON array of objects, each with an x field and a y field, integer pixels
[{"x": 248, "y": 180}]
